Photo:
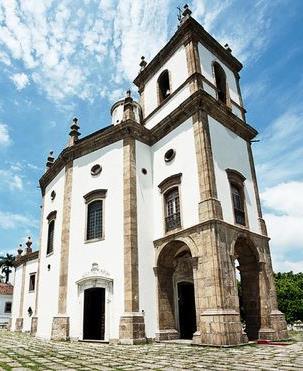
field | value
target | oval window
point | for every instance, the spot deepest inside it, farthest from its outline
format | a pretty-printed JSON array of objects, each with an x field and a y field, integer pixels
[
  {"x": 53, "y": 195},
  {"x": 96, "y": 170},
  {"x": 169, "y": 155},
  {"x": 144, "y": 171}
]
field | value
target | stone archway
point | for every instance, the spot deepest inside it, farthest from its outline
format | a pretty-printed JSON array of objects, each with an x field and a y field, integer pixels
[
  {"x": 176, "y": 294},
  {"x": 249, "y": 291}
]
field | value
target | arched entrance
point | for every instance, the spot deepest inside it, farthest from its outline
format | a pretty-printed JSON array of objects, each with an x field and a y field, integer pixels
[
  {"x": 248, "y": 287},
  {"x": 176, "y": 296},
  {"x": 94, "y": 314}
]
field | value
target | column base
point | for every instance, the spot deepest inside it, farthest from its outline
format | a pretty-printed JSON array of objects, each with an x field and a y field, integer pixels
[
  {"x": 34, "y": 325},
  {"x": 169, "y": 334},
  {"x": 19, "y": 324},
  {"x": 60, "y": 328},
  {"x": 221, "y": 327},
  {"x": 210, "y": 209},
  {"x": 278, "y": 324},
  {"x": 132, "y": 329}
]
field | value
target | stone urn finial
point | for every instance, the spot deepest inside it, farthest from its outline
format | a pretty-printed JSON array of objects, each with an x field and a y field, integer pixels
[
  {"x": 29, "y": 246},
  {"x": 143, "y": 63},
  {"x": 74, "y": 132}
]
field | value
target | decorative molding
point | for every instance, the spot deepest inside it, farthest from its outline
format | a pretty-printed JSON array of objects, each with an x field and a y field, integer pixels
[
  {"x": 235, "y": 176},
  {"x": 52, "y": 215},
  {"x": 26, "y": 258},
  {"x": 169, "y": 182},
  {"x": 95, "y": 194}
]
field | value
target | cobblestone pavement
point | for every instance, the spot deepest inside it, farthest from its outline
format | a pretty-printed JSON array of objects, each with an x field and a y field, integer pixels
[{"x": 23, "y": 352}]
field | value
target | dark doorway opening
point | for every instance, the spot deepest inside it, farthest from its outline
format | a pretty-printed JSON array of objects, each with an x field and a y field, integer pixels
[
  {"x": 187, "y": 310},
  {"x": 94, "y": 314}
]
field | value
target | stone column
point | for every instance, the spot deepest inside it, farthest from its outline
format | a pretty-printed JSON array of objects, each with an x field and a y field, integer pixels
[
  {"x": 209, "y": 206},
  {"x": 60, "y": 327},
  {"x": 132, "y": 328},
  {"x": 262, "y": 224},
  {"x": 219, "y": 321},
  {"x": 193, "y": 64},
  {"x": 19, "y": 320}
]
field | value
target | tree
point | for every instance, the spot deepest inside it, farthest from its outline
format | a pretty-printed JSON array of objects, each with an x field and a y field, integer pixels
[
  {"x": 290, "y": 295},
  {"x": 6, "y": 263}
]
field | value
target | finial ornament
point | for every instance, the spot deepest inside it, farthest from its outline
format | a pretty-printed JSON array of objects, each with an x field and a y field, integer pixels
[
  {"x": 128, "y": 93},
  {"x": 143, "y": 63},
  {"x": 20, "y": 251},
  {"x": 50, "y": 160},
  {"x": 186, "y": 12},
  {"x": 29, "y": 245},
  {"x": 74, "y": 132},
  {"x": 227, "y": 48}
]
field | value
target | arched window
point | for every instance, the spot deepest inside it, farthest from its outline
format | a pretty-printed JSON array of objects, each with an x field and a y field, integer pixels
[
  {"x": 94, "y": 220},
  {"x": 220, "y": 78},
  {"x": 172, "y": 209},
  {"x": 236, "y": 181},
  {"x": 50, "y": 237},
  {"x": 163, "y": 86}
]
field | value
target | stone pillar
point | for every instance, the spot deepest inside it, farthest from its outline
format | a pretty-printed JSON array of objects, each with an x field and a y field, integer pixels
[
  {"x": 60, "y": 327},
  {"x": 219, "y": 320},
  {"x": 209, "y": 206},
  {"x": 193, "y": 65},
  {"x": 132, "y": 328},
  {"x": 34, "y": 325},
  {"x": 19, "y": 320},
  {"x": 262, "y": 224}
]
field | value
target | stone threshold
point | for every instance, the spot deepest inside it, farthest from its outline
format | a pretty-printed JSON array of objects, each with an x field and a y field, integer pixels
[{"x": 93, "y": 341}]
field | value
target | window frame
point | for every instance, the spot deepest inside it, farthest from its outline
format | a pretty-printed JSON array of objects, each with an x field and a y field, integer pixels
[
  {"x": 237, "y": 180},
  {"x": 29, "y": 282},
  {"x": 96, "y": 195},
  {"x": 159, "y": 92},
  {"x": 166, "y": 186},
  {"x": 51, "y": 219}
]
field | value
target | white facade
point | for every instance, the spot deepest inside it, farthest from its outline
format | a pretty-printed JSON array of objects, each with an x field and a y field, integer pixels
[{"x": 5, "y": 314}]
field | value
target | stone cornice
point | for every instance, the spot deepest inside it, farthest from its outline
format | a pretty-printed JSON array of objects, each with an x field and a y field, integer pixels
[
  {"x": 199, "y": 227},
  {"x": 200, "y": 100},
  {"x": 189, "y": 30},
  {"x": 26, "y": 258}
]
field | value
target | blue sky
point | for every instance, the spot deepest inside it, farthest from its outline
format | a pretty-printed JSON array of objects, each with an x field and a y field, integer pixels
[{"x": 60, "y": 59}]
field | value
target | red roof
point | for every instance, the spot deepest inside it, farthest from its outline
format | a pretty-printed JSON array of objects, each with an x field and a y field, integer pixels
[{"x": 6, "y": 289}]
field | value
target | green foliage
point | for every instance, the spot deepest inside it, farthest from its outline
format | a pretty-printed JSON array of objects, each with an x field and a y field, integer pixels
[
  {"x": 6, "y": 262},
  {"x": 290, "y": 295}
]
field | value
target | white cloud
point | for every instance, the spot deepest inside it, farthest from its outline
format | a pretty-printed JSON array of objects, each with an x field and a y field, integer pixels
[
  {"x": 284, "y": 219},
  {"x": 9, "y": 179},
  {"x": 11, "y": 221},
  {"x": 5, "y": 139},
  {"x": 20, "y": 80}
]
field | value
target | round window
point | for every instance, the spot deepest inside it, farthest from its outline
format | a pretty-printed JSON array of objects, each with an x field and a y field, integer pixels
[
  {"x": 144, "y": 171},
  {"x": 96, "y": 170},
  {"x": 169, "y": 155},
  {"x": 53, "y": 195}
]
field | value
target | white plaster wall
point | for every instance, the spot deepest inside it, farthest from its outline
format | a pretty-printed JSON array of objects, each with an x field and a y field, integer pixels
[
  {"x": 147, "y": 288},
  {"x": 16, "y": 295},
  {"x": 117, "y": 114},
  {"x": 108, "y": 253},
  {"x": 177, "y": 67},
  {"x": 182, "y": 141},
  {"x": 49, "y": 278},
  {"x": 230, "y": 151},
  {"x": 171, "y": 105},
  {"x": 29, "y": 296},
  {"x": 206, "y": 60},
  {"x": 4, "y": 317}
]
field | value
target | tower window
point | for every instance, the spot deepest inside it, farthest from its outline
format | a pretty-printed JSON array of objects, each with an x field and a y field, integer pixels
[
  {"x": 163, "y": 86},
  {"x": 236, "y": 181},
  {"x": 50, "y": 237},
  {"x": 8, "y": 307},
  {"x": 94, "y": 220},
  {"x": 172, "y": 209},
  {"x": 220, "y": 78}
]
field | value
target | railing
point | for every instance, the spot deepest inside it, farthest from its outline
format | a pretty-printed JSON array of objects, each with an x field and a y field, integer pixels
[{"x": 172, "y": 222}]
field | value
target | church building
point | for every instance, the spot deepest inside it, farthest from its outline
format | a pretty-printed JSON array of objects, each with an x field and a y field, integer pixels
[{"x": 145, "y": 222}]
